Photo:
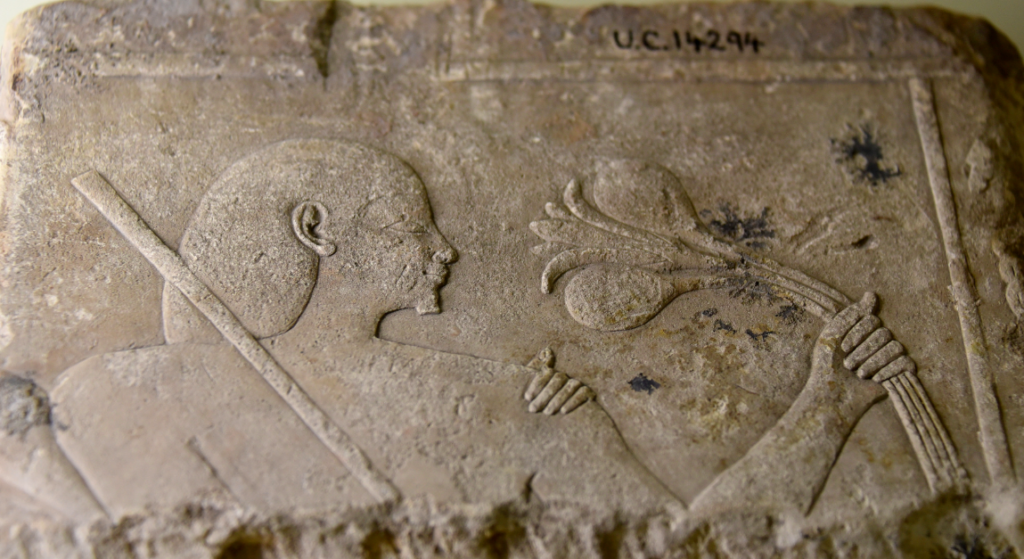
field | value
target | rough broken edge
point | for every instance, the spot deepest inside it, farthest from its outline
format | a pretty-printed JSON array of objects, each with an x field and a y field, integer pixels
[{"x": 978, "y": 47}]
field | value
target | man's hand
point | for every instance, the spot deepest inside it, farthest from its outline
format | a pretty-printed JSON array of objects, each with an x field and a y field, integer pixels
[
  {"x": 866, "y": 347},
  {"x": 853, "y": 356},
  {"x": 787, "y": 468},
  {"x": 552, "y": 391}
]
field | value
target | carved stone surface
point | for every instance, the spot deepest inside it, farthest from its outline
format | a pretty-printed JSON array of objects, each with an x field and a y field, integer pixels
[{"x": 495, "y": 279}]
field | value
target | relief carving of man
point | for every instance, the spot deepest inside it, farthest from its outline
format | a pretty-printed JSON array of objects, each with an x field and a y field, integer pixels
[{"x": 310, "y": 243}]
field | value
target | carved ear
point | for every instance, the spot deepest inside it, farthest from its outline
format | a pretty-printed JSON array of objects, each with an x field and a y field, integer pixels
[{"x": 306, "y": 217}]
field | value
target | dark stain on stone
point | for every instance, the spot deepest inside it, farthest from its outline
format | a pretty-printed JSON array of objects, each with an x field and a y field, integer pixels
[
  {"x": 751, "y": 230},
  {"x": 722, "y": 325},
  {"x": 862, "y": 155},
  {"x": 970, "y": 549},
  {"x": 709, "y": 312},
  {"x": 790, "y": 314},
  {"x": 641, "y": 383},
  {"x": 379, "y": 543},
  {"x": 754, "y": 291},
  {"x": 23, "y": 405},
  {"x": 759, "y": 336},
  {"x": 242, "y": 550}
]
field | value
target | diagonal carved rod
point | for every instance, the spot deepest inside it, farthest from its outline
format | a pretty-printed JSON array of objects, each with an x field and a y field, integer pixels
[{"x": 101, "y": 194}]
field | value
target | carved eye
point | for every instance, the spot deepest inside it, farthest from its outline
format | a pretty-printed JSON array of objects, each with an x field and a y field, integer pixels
[{"x": 407, "y": 226}]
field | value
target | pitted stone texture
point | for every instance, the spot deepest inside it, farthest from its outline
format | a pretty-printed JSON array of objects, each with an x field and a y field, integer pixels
[{"x": 497, "y": 279}]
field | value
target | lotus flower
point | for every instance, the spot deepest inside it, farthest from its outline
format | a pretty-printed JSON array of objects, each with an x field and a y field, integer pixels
[{"x": 645, "y": 220}]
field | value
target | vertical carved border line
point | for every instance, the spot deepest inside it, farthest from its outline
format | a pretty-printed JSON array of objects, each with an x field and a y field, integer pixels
[{"x": 986, "y": 406}]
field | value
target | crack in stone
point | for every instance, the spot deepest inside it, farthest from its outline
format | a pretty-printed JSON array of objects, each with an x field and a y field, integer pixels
[{"x": 320, "y": 41}]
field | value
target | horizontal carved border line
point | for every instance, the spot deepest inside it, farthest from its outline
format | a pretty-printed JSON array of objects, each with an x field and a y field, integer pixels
[
  {"x": 751, "y": 71},
  {"x": 204, "y": 65}
]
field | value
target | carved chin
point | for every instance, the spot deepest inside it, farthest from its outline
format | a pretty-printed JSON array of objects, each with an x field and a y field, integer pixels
[
  {"x": 429, "y": 305},
  {"x": 419, "y": 288}
]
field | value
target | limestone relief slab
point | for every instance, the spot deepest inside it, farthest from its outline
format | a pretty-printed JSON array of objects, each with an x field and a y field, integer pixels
[{"x": 307, "y": 279}]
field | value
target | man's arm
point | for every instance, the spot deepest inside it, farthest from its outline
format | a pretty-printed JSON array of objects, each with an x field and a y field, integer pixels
[{"x": 788, "y": 467}]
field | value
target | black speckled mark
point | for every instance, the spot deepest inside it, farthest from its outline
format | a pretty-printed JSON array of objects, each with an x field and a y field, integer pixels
[
  {"x": 790, "y": 314},
  {"x": 751, "y": 231},
  {"x": 640, "y": 383},
  {"x": 972, "y": 549},
  {"x": 759, "y": 336},
  {"x": 862, "y": 153},
  {"x": 754, "y": 291},
  {"x": 722, "y": 325},
  {"x": 709, "y": 312}
]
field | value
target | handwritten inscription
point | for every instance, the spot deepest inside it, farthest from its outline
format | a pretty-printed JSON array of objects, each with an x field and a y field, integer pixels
[{"x": 674, "y": 40}]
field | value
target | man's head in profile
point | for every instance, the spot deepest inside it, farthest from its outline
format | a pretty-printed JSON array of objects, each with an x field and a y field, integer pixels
[{"x": 311, "y": 215}]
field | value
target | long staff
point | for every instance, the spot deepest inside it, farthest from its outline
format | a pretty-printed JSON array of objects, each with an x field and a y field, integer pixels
[{"x": 167, "y": 262}]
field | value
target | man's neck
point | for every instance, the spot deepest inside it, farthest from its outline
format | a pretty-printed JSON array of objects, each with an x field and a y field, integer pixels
[{"x": 335, "y": 317}]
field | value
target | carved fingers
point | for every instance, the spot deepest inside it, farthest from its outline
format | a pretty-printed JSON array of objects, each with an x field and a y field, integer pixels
[
  {"x": 860, "y": 331},
  {"x": 875, "y": 341},
  {"x": 869, "y": 347},
  {"x": 845, "y": 323},
  {"x": 901, "y": 364},
  {"x": 553, "y": 392}
]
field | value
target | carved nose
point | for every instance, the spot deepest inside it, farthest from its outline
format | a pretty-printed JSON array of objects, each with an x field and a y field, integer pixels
[{"x": 446, "y": 255}]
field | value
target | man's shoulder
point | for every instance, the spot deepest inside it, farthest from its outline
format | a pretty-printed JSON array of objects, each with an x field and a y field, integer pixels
[
  {"x": 166, "y": 424},
  {"x": 139, "y": 367}
]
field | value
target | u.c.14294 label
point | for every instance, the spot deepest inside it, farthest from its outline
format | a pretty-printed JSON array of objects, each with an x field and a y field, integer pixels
[{"x": 709, "y": 41}]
